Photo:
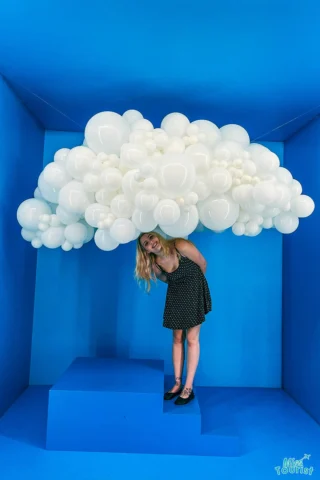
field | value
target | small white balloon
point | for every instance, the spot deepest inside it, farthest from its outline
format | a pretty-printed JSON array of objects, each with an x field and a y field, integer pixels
[
  {"x": 265, "y": 193},
  {"x": 48, "y": 192},
  {"x": 235, "y": 133},
  {"x": 175, "y": 124},
  {"x": 175, "y": 145},
  {"x": 302, "y": 206},
  {"x": 238, "y": 229},
  {"x": 284, "y": 176},
  {"x": 211, "y": 131},
  {"x": 91, "y": 182},
  {"x": 185, "y": 225},
  {"x": 123, "y": 230},
  {"x": 79, "y": 162},
  {"x": 28, "y": 235},
  {"x": 252, "y": 227},
  {"x": 104, "y": 196},
  {"x": 106, "y": 132},
  {"x": 201, "y": 188},
  {"x": 55, "y": 221},
  {"x": 144, "y": 220},
  {"x": 146, "y": 201},
  {"x": 200, "y": 156},
  {"x": 267, "y": 223},
  {"x": 142, "y": 124},
  {"x": 36, "y": 243},
  {"x": 60, "y": 157},
  {"x": 56, "y": 175},
  {"x": 176, "y": 175},
  {"x": 73, "y": 198},
  {"x": 121, "y": 207},
  {"x": 130, "y": 186},
  {"x": 219, "y": 180},
  {"x": 296, "y": 188},
  {"x": 53, "y": 237},
  {"x": 133, "y": 155},
  {"x": 29, "y": 212},
  {"x": 166, "y": 212},
  {"x": 67, "y": 246},
  {"x": 75, "y": 233},
  {"x": 66, "y": 217},
  {"x": 286, "y": 222},
  {"x": 150, "y": 184},
  {"x": 132, "y": 116},
  {"x": 104, "y": 241},
  {"x": 95, "y": 213},
  {"x": 242, "y": 193}
]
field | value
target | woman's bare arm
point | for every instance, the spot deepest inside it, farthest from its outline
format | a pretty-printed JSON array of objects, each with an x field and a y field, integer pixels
[{"x": 190, "y": 251}]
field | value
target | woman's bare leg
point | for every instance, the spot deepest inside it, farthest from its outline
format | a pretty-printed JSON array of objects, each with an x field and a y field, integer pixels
[
  {"x": 178, "y": 357},
  {"x": 193, "y": 358}
]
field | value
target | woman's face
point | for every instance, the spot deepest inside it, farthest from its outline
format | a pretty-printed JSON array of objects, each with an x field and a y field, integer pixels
[{"x": 150, "y": 243}]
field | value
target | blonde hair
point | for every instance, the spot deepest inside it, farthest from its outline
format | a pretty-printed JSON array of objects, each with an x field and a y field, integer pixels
[{"x": 145, "y": 261}]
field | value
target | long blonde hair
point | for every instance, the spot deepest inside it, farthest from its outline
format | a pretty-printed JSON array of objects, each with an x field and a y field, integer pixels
[{"x": 145, "y": 261}]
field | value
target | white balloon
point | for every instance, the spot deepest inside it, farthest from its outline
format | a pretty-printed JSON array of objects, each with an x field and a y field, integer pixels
[
  {"x": 150, "y": 185},
  {"x": 242, "y": 193},
  {"x": 235, "y": 133},
  {"x": 219, "y": 180},
  {"x": 238, "y": 229},
  {"x": 267, "y": 223},
  {"x": 28, "y": 235},
  {"x": 66, "y": 246},
  {"x": 104, "y": 241},
  {"x": 252, "y": 228},
  {"x": 284, "y": 176},
  {"x": 121, "y": 207},
  {"x": 218, "y": 212},
  {"x": 146, "y": 201},
  {"x": 130, "y": 186},
  {"x": 201, "y": 188},
  {"x": 142, "y": 124},
  {"x": 132, "y": 116},
  {"x": 73, "y": 197},
  {"x": 132, "y": 155},
  {"x": 47, "y": 191},
  {"x": 249, "y": 167},
  {"x": 200, "y": 156},
  {"x": 243, "y": 217},
  {"x": 160, "y": 137},
  {"x": 79, "y": 162},
  {"x": 123, "y": 230},
  {"x": 211, "y": 131},
  {"x": 36, "y": 242},
  {"x": 175, "y": 124},
  {"x": 296, "y": 188},
  {"x": 29, "y": 212},
  {"x": 106, "y": 132},
  {"x": 176, "y": 175},
  {"x": 283, "y": 196},
  {"x": 90, "y": 231},
  {"x": 270, "y": 212},
  {"x": 265, "y": 160},
  {"x": 95, "y": 213},
  {"x": 265, "y": 193},
  {"x": 37, "y": 194},
  {"x": 105, "y": 197},
  {"x": 286, "y": 222},
  {"x": 166, "y": 212},
  {"x": 75, "y": 233},
  {"x": 56, "y": 175},
  {"x": 53, "y": 237},
  {"x": 227, "y": 151},
  {"x": 66, "y": 217},
  {"x": 302, "y": 206},
  {"x": 144, "y": 220},
  {"x": 175, "y": 145},
  {"x": 60, "y": 157},
  {"x": 185, "y": 225},
  {"x": 91, "y": 182}
]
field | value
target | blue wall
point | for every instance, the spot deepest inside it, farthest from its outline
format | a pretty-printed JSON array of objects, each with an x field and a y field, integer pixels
[
  {"x": 21, "y": 140},
  {"x": 87, "y": 303},
  {"x": 301, "y": 269}
]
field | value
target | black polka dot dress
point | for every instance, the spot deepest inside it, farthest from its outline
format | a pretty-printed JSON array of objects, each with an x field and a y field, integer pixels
[{"x": 188, "y": 296}]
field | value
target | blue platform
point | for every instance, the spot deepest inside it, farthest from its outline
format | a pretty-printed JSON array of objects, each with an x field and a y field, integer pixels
[{"x": 116, "y": 405}]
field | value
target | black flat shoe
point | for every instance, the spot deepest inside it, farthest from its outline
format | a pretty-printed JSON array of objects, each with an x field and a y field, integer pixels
[
  {"x": 184, "y": 401},
  {"x": 171, "y": 395}
]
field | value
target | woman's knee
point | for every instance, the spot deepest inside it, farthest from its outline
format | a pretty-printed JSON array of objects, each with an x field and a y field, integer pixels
[{"x": 178, "y": 336}]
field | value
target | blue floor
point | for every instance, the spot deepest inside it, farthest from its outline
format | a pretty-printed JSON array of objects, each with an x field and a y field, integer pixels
[{"x": 271, "y": 425}]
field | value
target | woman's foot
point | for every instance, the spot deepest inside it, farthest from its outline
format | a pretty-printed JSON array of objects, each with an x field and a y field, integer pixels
[
  {"x": 186, "y": 396},
  {"x": 175, "y": 390}
]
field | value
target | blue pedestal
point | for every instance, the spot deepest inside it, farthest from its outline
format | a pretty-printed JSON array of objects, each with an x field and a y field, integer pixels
[{"x": 116, "y": 405}]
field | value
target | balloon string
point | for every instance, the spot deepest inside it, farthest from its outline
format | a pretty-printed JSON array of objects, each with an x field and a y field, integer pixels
[
  {"x": 286, "y": 123},
  {"x": 47, "y": 103}
]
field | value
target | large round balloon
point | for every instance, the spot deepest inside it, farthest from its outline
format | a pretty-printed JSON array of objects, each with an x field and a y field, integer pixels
[
  {"x": 176, "y": 175},
  {"x": 218, "y": 212},
  {"x": 106, "y": 132},
  {"x": 30, "y": 211},
  {"x": 185, "y": 225}
]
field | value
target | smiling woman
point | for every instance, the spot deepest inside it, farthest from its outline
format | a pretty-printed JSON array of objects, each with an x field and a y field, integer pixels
[{"x": 178, "y": 263}]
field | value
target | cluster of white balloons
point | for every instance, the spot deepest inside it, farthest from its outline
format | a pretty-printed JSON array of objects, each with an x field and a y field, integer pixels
[{"x": 129, "y": 177}]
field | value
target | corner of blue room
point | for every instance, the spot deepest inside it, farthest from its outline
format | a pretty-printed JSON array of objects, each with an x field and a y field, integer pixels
[{"x": 88, "y": 304}]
